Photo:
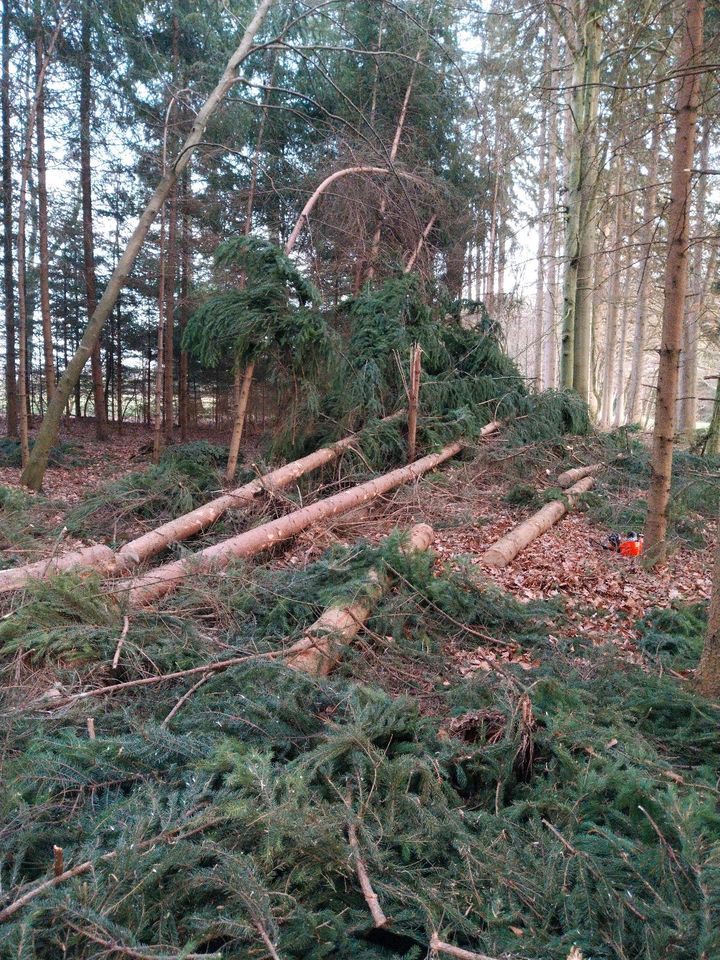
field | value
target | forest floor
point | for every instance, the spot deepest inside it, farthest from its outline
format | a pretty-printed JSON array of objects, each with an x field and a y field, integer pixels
[
  {"x": 603, "y": 594},
  {"x": 522, "y": 749}
]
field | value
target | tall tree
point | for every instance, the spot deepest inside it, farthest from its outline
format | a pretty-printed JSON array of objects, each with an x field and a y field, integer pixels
[
  {"x": 43, "y": 245},
  {"x": 8, "y": 280},
  {"x": 87, "y": 214},
  {"x": 676, "y": 270},
  {"x": 35, "y": 471}
]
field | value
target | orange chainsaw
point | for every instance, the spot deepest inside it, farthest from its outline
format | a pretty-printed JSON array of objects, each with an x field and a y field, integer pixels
[{"x": 627, "y": 545}]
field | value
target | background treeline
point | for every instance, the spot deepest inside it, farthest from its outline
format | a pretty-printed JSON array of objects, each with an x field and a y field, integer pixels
[{"x": 528, "y": 148}]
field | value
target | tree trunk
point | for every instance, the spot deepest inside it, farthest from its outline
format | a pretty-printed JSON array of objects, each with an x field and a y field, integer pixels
[
  {"x": 549, "y": 325},
  {"x": 33, "y": 474},
  {"x": 162, "y": 580},
  {"x": 708, "y": 675},
  {"x": 675, "y": 282},
  {"x": 573, "y": 157},
  {"x": 712, "y": 443},
  {"x": 98, "y": 559},
  {"x": 504, "y": 551},
  {"x": 186, "y": 268},
  {"x": 182, "y": 528},
  {"x": 43, "y": 221},
  {"x": 691, "y": 329},
  {"x": 587, "y": 227},
  {"x": 414, "y": 399},
  {"x": 569, "y": 477},
  {"x": 242, "y": 394},
  {"x": 375, "y": 246},
  {"x": 11, "y": 402},
  {"x": 320, "y": 649},
  {"x": 622, "y": 352},
  {"x": 541, "y": 252},
  {"x": 647, "y": 235},
  {"x": 22, "y": 392},
  {"x": 87, "y": 217},
  {"x": 606, "y": 408}
]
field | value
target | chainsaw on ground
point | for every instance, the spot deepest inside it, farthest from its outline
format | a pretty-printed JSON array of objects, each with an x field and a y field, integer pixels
[{"x": 627, "y": 545}]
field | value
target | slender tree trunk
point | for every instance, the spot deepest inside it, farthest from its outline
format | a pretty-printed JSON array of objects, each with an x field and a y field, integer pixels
[
  {"x": 33, "y": 474},
  {"x": 23, "y": 371},
  {"x": 622, "y": 352},
  {"x": 169, "y": 326},
  {"x": 708, "y": 675},
  {"x": 549, "y": 326},
  {"x": 541, "y": 252},
  {"x": 8, "y": 280},
  {"x": 647, "y": 235},
  {"x": 675, "y": 281},
  {"x": 691, "y": 329},
  {"x": 87, "y": 216},
  {"x": 375, "y": 247},
  {"x": 712, "y": 443},
  {"x": 606, "y": 408},
  {"x": 241, "y": 397},
  {"x": 587, "y": 228},
  {"x": 185, "y": 268},
  {"x": 573, "y": 154},
  {"x": 43, "y": 220}
]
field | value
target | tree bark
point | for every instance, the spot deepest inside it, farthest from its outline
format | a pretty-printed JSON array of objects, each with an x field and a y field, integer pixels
[
  {"x": 541, "y": 251},
  {"x": 33, "y": 474},
  {"x": 712, "y": 443},
  {"x": 242, "y": 395},
  {"x": 504, "y": 551},
  {"x": 87, "y": 217},
  {"x": 606, "y": 407},
  {"x": 691, "y": 328},
  {"x": 162, "y": 580},
  {"x": 43, "y": 221},
  {"x": 708, "y": 675},
  {"x": 587, "y": 227},
  {"x": 186, "y": 269},
  {"x": 414, "y": 399},
  {"x": 675, "y": 282},
  {"x": 11, "y": 410},
  {"x": 569, "y": 477},
  {"x": 549, "y": 324},
  {"x": 647, "y": 235},
  {"x": 320, "y": 649}
]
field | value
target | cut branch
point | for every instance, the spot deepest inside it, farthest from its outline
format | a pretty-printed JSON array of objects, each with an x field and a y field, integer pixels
[{"x": 569, "y": 477}]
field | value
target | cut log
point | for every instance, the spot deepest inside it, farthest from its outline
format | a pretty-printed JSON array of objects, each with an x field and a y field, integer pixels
[
  {"x": 569, "y": 477},
  {"x": 504, "y": 551},
  {"x": 99, "y": 559},
  {"x": 104, "y": 561},
  {"x": 156, "y": 583},
  {"x": 182, "y": 528},
  {"x": 319, "y": 650}
]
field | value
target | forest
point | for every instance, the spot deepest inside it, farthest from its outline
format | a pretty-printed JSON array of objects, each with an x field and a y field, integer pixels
[{"x": 360, "y": 480}]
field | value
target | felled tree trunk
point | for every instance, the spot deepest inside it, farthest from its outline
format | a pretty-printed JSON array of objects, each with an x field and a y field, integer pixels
[
  {"x": 99, "y": 559},
  {"x": 504, "y": 551},
  {"x": 156, "y": 583},
  {"x": 319, "y": 651},
  {"x": 569, "y": 477},
  {"x": 181, "y": 528},
  {"x": 186, "y": 526}
]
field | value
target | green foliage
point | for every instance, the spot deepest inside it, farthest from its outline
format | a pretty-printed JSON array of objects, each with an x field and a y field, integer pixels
[
  {"x": 521, "y": 495},
  {"x": 271, "y": 313},
  {"x": 675, "y": 634},
  {"x": 62, "y": 454},
  {"x": 589, "y": 819}
]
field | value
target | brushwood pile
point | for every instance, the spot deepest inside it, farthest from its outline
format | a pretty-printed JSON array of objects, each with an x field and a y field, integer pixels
[{"x": 231, "y": 813}]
